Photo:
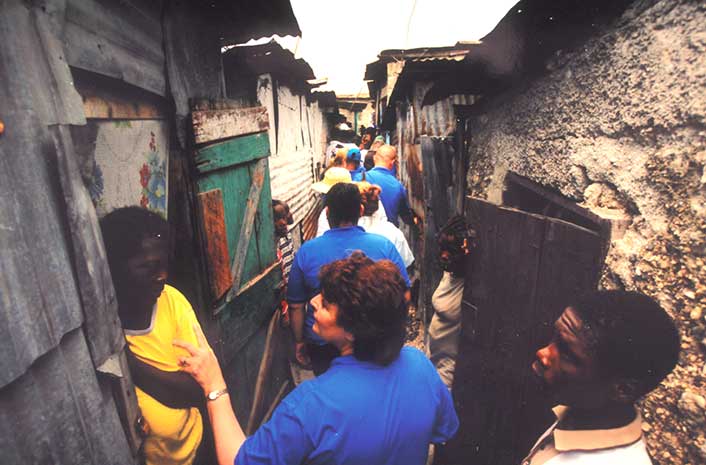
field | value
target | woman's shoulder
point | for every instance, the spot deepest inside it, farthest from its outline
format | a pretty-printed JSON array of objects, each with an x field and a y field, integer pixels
[{"x": 412, "y": 355}]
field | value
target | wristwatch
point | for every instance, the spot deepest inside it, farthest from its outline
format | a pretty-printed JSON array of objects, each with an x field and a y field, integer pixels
[{"x": 213, "y": 395}]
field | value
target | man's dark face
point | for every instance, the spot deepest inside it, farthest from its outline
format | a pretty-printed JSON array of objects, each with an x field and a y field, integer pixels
[
  {"x": 145, "y": 273},
  {"x": 567, "y": 365},
  {"x": 282, "y": 218},
  {"x": 452, "y": 253}
]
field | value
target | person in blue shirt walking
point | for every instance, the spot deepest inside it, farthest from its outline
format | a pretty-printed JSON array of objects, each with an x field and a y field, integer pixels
[
  {"x": 379, "y": 404},
  {"x": 353, "y": 165},
  {"x": 394, "y": 194},
  {"x": 343, "y": 208}
]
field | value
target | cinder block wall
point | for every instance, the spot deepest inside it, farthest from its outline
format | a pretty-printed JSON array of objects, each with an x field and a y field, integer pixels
[{"x": 619, "y": 127}]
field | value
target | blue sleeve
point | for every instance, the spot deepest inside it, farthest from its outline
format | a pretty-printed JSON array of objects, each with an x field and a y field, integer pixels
[
  {"x": 446, "y": 422},
  {"x": 282, "y": 440},
  {"x": 296, "y": 286},
  {"x": 405, "y": 211}
]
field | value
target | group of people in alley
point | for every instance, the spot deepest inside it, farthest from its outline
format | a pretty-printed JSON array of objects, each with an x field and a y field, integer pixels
[{"x": 373, "y": 399}]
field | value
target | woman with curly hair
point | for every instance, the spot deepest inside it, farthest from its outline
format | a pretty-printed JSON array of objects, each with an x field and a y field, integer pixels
[
  {"x": 378, "y": 403},
  {"x": 372, "y": 223}
]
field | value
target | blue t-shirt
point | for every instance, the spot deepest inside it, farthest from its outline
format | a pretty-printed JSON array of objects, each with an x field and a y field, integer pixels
[
  {"x": 358, "y": 413},
  {"x": 334, "y": 244},
  {"x": 357, "y": 174},
  {"x": 393, "y": 194}
]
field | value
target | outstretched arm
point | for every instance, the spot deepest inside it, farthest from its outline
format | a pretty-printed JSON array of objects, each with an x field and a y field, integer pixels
[
  {"x": 174, "y": 389},
  {"x": 203, "y": 366}
]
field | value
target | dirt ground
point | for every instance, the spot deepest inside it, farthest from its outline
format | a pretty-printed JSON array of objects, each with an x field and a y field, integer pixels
[{"x": 415, "y": 330}]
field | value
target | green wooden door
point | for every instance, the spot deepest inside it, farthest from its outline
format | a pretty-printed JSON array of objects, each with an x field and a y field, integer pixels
[{"x": 237, "y": 233}]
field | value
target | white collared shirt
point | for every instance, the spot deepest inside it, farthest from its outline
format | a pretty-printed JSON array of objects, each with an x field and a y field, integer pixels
[{"x": 622, "y": 446}]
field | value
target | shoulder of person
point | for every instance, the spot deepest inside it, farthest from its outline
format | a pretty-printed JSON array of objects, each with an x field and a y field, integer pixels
[
  {"x": 176, "y": 296},
  {"x": 413, "y": 355},
  {"x": 380, "y": 239}
]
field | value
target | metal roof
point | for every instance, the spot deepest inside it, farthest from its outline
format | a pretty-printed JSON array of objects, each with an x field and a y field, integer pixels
[
  {"x": 267, "y": 58},
  {"x": 457, "y": 52}
]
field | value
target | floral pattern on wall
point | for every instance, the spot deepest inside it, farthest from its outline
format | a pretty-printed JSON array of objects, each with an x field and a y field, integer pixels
[{"x": 130, "y": 165}]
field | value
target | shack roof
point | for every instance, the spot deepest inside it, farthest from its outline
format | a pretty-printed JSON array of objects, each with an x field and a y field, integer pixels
[
  {"x": 516, "y": 49},
  {"x": 520, "y": 45},
  {"x": 375, "y": 70},
  {"x": 264, "y": 18},
  {"x": 267, "y": 58}
]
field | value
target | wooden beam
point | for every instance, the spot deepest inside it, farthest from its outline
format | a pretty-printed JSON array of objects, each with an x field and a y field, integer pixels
[
  {"x": 235, "y": 151},
  {"x": 216, "y": 239},
  {"x": 212, "y": 125},
  {"x": 250, "y": 284},
  {"x": 241, "y": 251},
  {"x": 280, "y": 395},
  {"x": 105, "y": 98},
  {"x": 263, "y": 373}
]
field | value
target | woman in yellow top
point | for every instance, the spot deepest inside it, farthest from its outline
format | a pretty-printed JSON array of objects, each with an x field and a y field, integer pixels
[{"x": 152, "y": 315}]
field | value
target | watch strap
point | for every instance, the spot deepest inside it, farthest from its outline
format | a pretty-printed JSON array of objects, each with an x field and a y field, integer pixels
[{"x": 213, "y": 395}]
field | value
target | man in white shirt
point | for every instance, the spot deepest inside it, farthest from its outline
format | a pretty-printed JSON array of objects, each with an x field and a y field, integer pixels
[
  {"x": 609, "y": 349},
  {"x": 455, "y": 240}
]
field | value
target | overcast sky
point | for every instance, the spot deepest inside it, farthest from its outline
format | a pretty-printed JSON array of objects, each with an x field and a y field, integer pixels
[{"x": 340, "y": 37}]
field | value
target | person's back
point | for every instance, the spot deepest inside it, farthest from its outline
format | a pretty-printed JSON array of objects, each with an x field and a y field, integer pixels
[
  {"x": 363, "y": 413},
  {"x": 394, "y": 194},
  {"x": 372, "y": 223},
  {"x": 334, "y": 244},
  {"x": 343, "y": 207}
]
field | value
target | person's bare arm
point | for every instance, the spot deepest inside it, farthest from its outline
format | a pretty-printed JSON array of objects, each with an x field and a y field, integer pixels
[
  {"x": 174, "y": 389},
  {"x": 203, "y": 366},
  {"x": 297, "y": 315}
]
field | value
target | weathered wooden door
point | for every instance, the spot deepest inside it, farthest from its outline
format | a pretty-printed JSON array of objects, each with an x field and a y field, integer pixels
[
  {"x": 526, "y": 269},
  {"x": 233, "y": 190}
]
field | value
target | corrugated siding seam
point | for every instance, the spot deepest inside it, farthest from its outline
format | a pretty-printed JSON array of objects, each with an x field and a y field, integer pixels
[{"x": 291, "y": 179}]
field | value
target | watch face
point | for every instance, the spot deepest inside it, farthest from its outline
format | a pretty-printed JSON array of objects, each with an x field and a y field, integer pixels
[{"x": 213, "y": 395}]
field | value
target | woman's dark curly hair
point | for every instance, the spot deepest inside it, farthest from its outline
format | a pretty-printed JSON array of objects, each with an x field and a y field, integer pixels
[
  {"x": 371, "y": 304},
  {"x": 369, "y": 197}
]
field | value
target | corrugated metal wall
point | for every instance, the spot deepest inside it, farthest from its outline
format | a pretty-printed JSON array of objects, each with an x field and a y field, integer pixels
[
  {"x": 298, "y": 141},
  {"x": 58, "y": 310},
  {"x": 117, "y": 39},
  {"x": 413, "y": 121}
]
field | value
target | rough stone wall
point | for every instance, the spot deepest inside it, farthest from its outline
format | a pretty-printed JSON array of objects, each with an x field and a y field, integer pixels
[{"x": 619, "y": 127}]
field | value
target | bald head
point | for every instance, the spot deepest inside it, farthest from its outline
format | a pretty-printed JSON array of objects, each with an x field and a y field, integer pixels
[{"x": 386, "y": 156}]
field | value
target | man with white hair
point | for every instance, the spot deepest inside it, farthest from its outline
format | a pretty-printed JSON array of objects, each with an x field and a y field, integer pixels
[{"x": 394, "y": 194}]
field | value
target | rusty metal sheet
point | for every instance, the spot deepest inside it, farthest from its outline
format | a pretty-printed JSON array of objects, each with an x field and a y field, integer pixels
[
  {"x": 216, "y": 239},
  {"x": 122, "y": 40},
  {"x": 61, "y": 411}
]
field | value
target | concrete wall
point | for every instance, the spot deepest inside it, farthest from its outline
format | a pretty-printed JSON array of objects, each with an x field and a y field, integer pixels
[{"x": 619, "y": 127}]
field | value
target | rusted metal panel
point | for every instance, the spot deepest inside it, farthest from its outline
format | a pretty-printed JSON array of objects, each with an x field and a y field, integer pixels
[
  {"x": 213, "y": 217},
  {"x": 59, "y": 411},
  {"x": 118, "y": 39},
  {"x": 211, "y": 125},
  {"x": 102, "y": 326}
]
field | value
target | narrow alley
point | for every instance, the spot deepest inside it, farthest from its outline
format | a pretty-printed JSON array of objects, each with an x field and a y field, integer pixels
[{"x": 321, "y": 232}]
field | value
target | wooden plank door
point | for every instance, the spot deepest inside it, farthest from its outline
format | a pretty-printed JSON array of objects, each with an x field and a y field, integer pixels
[
  {"x": 237, "y": 234},
  {"x": 526, "y": 268}
]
